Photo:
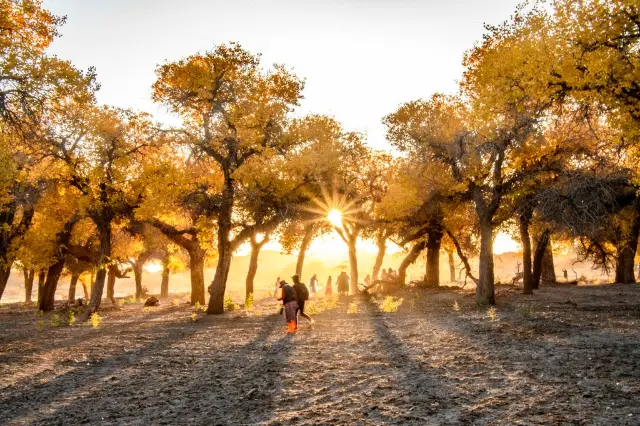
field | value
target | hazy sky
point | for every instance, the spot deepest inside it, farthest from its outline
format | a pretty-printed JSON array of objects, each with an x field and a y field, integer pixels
[{"x": 360, "y": 58}]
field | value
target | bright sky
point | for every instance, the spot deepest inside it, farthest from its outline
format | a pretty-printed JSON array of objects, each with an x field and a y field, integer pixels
[{"x": 361, "y": 58}]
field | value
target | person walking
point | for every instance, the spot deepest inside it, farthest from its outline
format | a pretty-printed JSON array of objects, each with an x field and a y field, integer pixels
[
  {"x": 290, "y": 303},
  {"x": 313, "y": 285},
  {"x": 303, "y": 296},
  {"x": 328, "y": 291},
  {"x": 343, "y": 283}
]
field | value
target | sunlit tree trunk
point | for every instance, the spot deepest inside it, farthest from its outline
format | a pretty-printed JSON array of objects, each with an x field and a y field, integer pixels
[
  {"x": 72, "y": 286},
  {"x": 434, "y": 241},
  {"x": 137, "y": 273},
  {"x": 256, "y": 246},
  {"x": 164, "y": 285},
  {"x": 485, "y": 289},
  {"x": 42, "y": 275},
  {"x": 29, "y": 275},
  {"x": 111, "y": 284},
  {"x": 309, "y": 230},
  {"x": 196, "y": 269},
  {"x": 452, "y": 266},
  {"x": 225, "y": 252},
  {"x": 381, "y": 242}
]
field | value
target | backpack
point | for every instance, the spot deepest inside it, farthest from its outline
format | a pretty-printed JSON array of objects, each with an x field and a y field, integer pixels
[{"x": 302, "y": 291}]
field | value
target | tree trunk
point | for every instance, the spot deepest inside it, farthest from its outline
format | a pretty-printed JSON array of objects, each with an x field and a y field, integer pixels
[
  {"x": 137, "y": 272},
  {"x": 164, "y": 285},
  {"x": 309, "y": 230},
  {"x": 434, "y": 241},
  {"x": 225, "y": 251},
  {"x": 527, "y": 273},
  {"x": 353, "y": 263},
  {"x": 408, "y": 260},
  {"x": 452, "y": 266},
  {"x": 381, "y": 242},
  {"x": 111, "y": 284},
  {"x": 626, "y": 253},
  {"x": 97, "y": 289},
  {"x": 29, "y": 275},
  {"x": 50, "y": 285},
  {"x": 85, "y": 290},
  {"x": 41, "y": 277},
  {"x": 253, "y": 268},
  {"x": 548, "y": 275},
  {"x": 72, "y": 287},
  {"x": 540, "y": 248},
  {"x": 485, "y": 294},
  {"x": 196, "y": 268},
  {"x": 5, "y": 272}
]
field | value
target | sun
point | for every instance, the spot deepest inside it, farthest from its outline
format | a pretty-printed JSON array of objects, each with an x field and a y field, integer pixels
[
  {"x": 335, "y": 217},
  {"x": 153, "y": 267}
]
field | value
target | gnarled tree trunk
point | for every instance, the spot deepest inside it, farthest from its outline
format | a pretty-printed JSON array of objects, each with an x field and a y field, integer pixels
[
  {"x": 548, "y": 275},
  {"x": 196, "y": 269},
  {"x": 540, "y": 247},
  {"x": 50, "y": 285},
  {"x": 256, "y": 246},
  {"x": 626, "y": 253},
  {"x": 381, "y": 242},
  {"x": 527, "y": 273},
  {"x": 408, "y": 260},
  {"x": 111, "y": 284},
  {"x": 97, "y": 289},
  {"x": 353, "y": 263},
  {"x": 5, "y": 272},
  {"x": 225, "y": 251},
  {"x": 42, "y": 275},
  {"x": 164, "y": 285},
  {"x": 452, "y": 266},
  {"x": 137, "y": 274}
]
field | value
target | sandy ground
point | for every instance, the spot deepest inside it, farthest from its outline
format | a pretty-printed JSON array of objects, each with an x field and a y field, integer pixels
[{"x": 568, "y": 355}]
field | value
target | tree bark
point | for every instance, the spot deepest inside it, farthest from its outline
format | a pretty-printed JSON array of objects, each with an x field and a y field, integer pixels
[
  {"x": 137, "y": 273},
  {"x": 111, "y": 284},
  {"x": 72, "y": 287},
  {"x": 353, "y": 263},
  {"x": 253, "y": 263},
  {"x": 225, "y": 251},
  {"x": 626, "y": 253},
  {"x": 309, "y": 230},
  {"x": 452, "y": 266},
  {"x": 97, "y": 289},
  {"x": 29, "y": 275},
  {"x": 5, "y": 272},
  {"x": 540, "y": 248},
  {"x": 381, "y": 242},
  {"x": 434, "y": 241},
  {"x": 196, "y": 268},
  {"x": 548, "y": 275},
  {"x": 85, "y": 290},
  {"x": 50, "y": 285},
  {"x": 408, "y": 260},
  {"x": 41, "y": 277},
  {"x": 527, "y": 273},
  {"x": 164, "y": 285},
  {"x": 485, "y": 292}
]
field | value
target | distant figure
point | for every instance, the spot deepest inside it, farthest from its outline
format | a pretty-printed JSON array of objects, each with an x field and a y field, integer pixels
[
  {"x": 303, "y": 296},
  {"x": 313, "y": 285},
  {"x": 275, "y": 293},
  {"x": 392, "y": 275},
  {"x": 290, "y": 304},
  {"x": 327, "y": 290},
  {"x": 343, "y": 283},
  {"x": 367, "y": 281},
  {"x": 385, "y": 275}
]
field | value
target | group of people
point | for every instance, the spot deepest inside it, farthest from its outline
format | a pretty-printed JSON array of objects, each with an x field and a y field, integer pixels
[{"x": 294, "y": 296}]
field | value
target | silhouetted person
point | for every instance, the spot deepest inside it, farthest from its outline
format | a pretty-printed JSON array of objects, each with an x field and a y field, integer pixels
[
  {"x": 343, "y": 283},
  {"x": 303, "y": 295}
]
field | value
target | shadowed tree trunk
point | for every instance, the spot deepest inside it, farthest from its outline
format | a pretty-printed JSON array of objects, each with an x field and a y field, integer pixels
[
  {"x": 137, "y": 275},
  {"x": 164, "y": 285},
  {"x": 85, "y": 288},
  {"x": 50, "y": 285},
  {"x": 225, "y": 251},
  {"x": 548, "y": 269},
  {"x": 309, "y": 230},
  {"x": 97, "y": 289},
  {"x": 626, "y": 253},
  {"x": 196, "y": 270},
  {"x": 409, "y": 259},
  {"x": 111, "y": 285},
  {"x": 485, "y": 289},
  {"x": 72, "y": 286},
  {"x": 452, "y": 266},
  {"x": 256, "y": 246},
  {"x": 353, "y": 263},
  {"x": 540, "y": 247},
  {"x": 29, "y": 275},
  {"x": 42, "y": 274},
  {"x": 527, "y": 273},
  {"x": 5, "y": 272},
  {"x": 434, "y": 241}
]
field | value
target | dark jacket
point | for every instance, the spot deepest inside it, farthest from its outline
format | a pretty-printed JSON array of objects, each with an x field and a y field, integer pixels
[
  {"x": 288, "y": 294},
  {"x": 301, "y": 291}
]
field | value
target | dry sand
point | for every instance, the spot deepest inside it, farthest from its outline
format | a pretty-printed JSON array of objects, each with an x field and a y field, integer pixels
[{"x": 568, "y": 355}]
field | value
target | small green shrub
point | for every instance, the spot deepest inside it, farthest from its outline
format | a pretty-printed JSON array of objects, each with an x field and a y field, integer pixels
[
  {"x": 352, "y": 308},
  {"x": 194, "y": 317},
  {"x": 229, "y": 304},
  {"x": 95, "y": 320},
  {"x": 391, "y": 304},
  {"x": 54, "y": 320},
  {"x": 176, "y": 302},
  {"x": 248, "y": 302},
  {"x": 72, "y": 318},
  {"x": 492, "y": 313}
]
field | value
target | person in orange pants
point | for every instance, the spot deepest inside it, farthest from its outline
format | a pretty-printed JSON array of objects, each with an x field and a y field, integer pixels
[{"x": 290, "y": 303}]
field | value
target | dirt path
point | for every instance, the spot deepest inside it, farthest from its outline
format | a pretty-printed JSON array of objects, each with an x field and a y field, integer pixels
[{"x": 566, "y": 356}]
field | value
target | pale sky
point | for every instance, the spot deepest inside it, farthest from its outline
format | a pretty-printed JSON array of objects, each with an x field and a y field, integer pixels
[{"x": 360, "y": 58}]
